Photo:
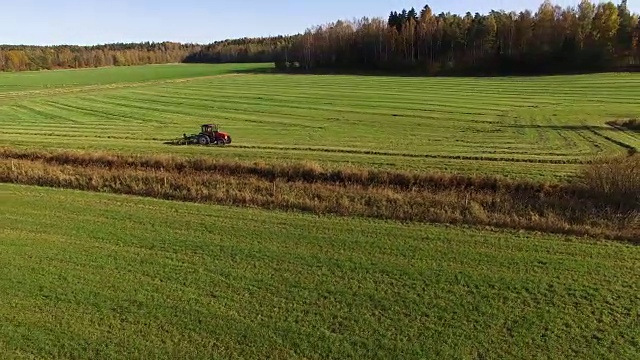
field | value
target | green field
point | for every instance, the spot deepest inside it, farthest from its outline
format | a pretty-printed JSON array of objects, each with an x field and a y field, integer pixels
[
  {"x": 537, "y": 127},
  {"x": 73, "y": 78},
  {"x": 102, "y": 276}
]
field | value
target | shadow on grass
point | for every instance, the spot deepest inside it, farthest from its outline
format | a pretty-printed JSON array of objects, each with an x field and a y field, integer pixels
[
  {"x": 581, "y": 127},
  {"x": 597, "y": 130},
  {"x": 422, "y": 73},
  {"x": 626, "y": 124},
  {"x": 347, "y": 72}
]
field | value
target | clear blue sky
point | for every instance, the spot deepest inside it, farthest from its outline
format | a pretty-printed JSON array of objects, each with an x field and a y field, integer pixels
[{"x": 85, "y": 22}]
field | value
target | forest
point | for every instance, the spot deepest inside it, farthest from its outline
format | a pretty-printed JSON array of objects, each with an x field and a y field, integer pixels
[{"x": 588, "y": 37}]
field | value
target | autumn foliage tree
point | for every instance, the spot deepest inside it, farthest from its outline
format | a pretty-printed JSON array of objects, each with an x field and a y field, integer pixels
[
  {"x": 552, "y": 39},
  {"x": 20, "y": 58},
  {"x": 244, "y": 50}
]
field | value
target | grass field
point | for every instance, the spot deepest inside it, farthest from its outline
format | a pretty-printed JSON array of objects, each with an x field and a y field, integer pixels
[
  {"x": 102, "y": 276},
  {"x": 46, "y": 80},
  {"x": 537, "y": 127}
]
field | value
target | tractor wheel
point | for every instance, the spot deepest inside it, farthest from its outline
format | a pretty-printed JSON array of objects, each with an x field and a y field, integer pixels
[
  {"x": 203, "y": 140},
  {"x": 228, "y": 139},
  {"x": 221, "y": 142}
]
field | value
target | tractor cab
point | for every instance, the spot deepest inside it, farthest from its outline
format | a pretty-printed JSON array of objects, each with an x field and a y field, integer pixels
[{"x": 209, "y": 128}]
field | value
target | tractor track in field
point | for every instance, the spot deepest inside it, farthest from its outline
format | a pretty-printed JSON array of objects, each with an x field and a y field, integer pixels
[{"x": 630, "y": 148}]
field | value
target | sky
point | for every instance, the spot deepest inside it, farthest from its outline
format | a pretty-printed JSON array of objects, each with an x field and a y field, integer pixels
[{"x": 90, "y": 22}]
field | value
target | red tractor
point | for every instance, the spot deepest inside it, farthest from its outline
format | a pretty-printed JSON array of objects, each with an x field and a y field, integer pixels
[{"x": 209, "y": 134}]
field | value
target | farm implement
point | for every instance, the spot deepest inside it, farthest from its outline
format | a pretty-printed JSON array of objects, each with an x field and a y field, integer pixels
[{"x": 209, "y": 135}]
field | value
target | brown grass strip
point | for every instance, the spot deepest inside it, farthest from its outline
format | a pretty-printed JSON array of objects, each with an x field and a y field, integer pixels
[
  {"x": 301, "y": 171},
  {"x": 572, "y": 208}
]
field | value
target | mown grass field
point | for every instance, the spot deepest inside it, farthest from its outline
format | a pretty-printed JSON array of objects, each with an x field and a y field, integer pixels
[
  {"x": 89, "y": 275},
  {"x": 42, "y": 80},
  {"x": 85, "y": 275},
  {"x": 539, "y": 127}
]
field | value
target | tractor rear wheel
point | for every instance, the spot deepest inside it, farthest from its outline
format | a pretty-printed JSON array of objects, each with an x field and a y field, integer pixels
[{"x": 203, "y": 140}]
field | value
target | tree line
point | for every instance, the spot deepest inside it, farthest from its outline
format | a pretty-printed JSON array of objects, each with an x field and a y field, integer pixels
[
  {"x": 553, "y": 39},
  {"x": 245, "y": 50},
  {"x": 589, "y": 37},
  {"x": 23, "y": 58}
]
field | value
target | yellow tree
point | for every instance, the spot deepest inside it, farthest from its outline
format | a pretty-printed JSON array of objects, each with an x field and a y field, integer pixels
[
  {"x": 586, "y": 12},
  {"x": 543, "y": 27},
  {"x": 426, "y": 32},
  {"x": 17, "y": 60},
  {"x": 524, "y": 31},
  {"x": 569, "y": 24},
  {"x": 605, "y": 24}
]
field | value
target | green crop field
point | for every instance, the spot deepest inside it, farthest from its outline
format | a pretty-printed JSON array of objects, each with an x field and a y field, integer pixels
[
  {"x": 42, "y": 80},
  {"x": 539, "y": 127},
  {"x": 103, "y": 276}
]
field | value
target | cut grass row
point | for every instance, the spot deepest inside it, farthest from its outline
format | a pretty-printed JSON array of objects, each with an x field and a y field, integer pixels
[
  {"x": 605, "y": 206},
  {"x": 99, "y": 276},
  {"x": 402, "y": 123}
]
